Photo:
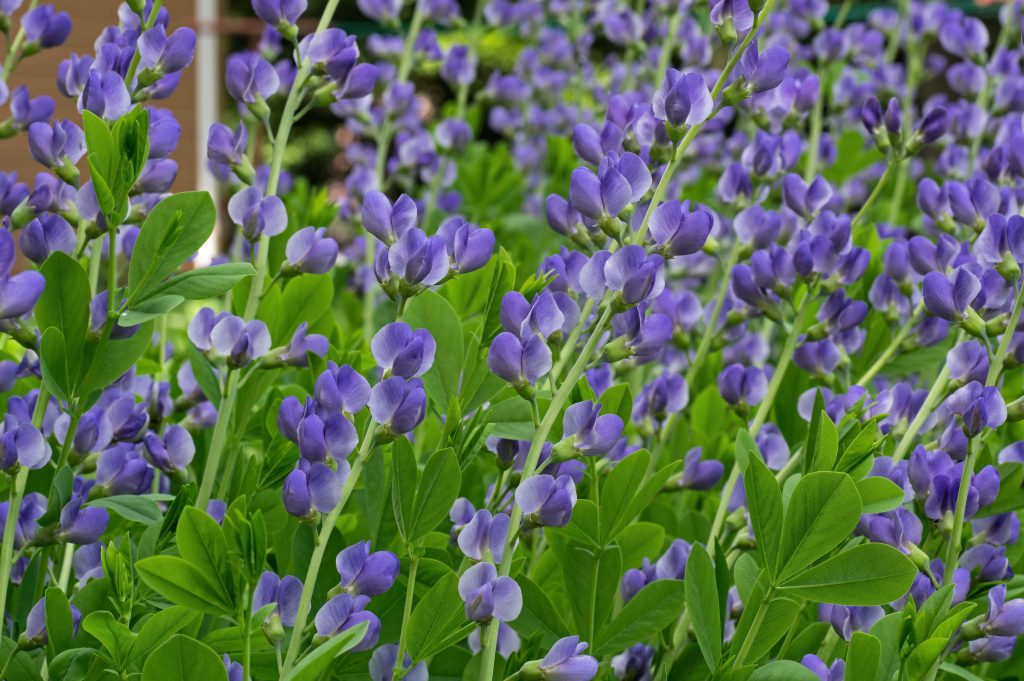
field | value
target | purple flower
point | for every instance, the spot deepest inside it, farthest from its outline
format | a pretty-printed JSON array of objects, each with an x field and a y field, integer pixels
[
  {"x": 741, "y": 385},
  {"x": 469, "y": 247},
  {"x": 229, "y": 336},
  {"x": 848, "y": 619},
  {"x": 319, "y": 433},
  {"x": 700, "y": 474},
  {"x": 803, "y": 199},
  {"x": 592, "y": 146},
  {"x": 631, "y": 272},
  {"x": 588, "y": 432},
  {"x": 279, "y": 14},
  {"x": 968, "y": 362},
  {"x": 21, "y": 443},
  {"x": 542, "y": 316},
  {"x": 344, "y": 612},
  {"x": 398, "y": 405},
  {"x": 637, "y": 335},
  {"x": 26, "y": 110},
  {"x": 978, "y": 406},
  {"x": 122, "y": 470},
  {"x": 258, "y": 215},
  {"x": 564, "y": 662},
  {"x": 763, "y": 71},
  {"x": 310, "y": 250},
  {"x": 35, "y": 634},
  {"x": 46, "y": 234},
  {"x": 401, "y": 351},
  {"x": 364, "y": 573},
  {"x": 313, "y": 487},
  {"x": 80, "y": 525},
  {"x": 105, "y": 95},
  {"x": 44, "y": 27},
  {"x": 302, "y": 345},
  {"x": 900, "y": 529},
  {"x": 547, "y": 501},
  {"x": 382, "y": 665},
  {"x": 227, "y": 146},
  {"x": 381, "y": 11},
  {"x": 171, "y": 452},
  {"x": 619, "y": 182},
  {"x": 388, "y": 222},
  {"x": 342, "y": 389},
  {"x": 972, "y": 203},
  {"x": 634, "y": 663},
  {"x": 162, "y": 54},
  {"x": 283, "y": 592},
  {"x": 482, "y": 538},
  {"x": 164, "y": 133},
  {"x": 948, "y": 298},
  {"x": 679, "y": 230},
  {"x": 825, "y": 672},
  {"x": 488, "y": 596},
  {"x": 682, "y": 99},
  {"x": 18, "y": 294},
  {"x": 521, "y": 362},
  {"x": 459, "y": 66},
  {"x": 415, "y": 262},
  {"x": 1004, "y": 618},
  {"x": 56, "y": 145},
  {"x": 453, "y": 135},
  {"x": 250, "y": 79},
  {"x": 667, "y": 394},
  {"x": 964, "y": 36}
]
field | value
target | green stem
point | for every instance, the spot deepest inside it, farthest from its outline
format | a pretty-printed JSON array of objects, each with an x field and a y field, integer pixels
[
  {"x": 937, "y": 390},
  {"x": 65, "y": 567},
  {"x": 711, "y": 327},
  {"x": 326, "y": 528},
  {"x": 220, "y": 433},
  {"x": 14, "y": 50},
  {"x": 956, "y": 535},
  {"x": 15, "y": 495},
  {"x": 817, "y": 123},
  {"x": 410, "y": 590},
  {"x": 569, "y": 348},
  {"x": 893, "y": 346},
  {"x": 876, "y": 192},
  {"x": 1004, "y": 343},
  {"x": 665, "y": 58},
  {"x": 755, "y": 627},
  {"x": 530, "y": 466},
  {"x": 134, "y": 65}
]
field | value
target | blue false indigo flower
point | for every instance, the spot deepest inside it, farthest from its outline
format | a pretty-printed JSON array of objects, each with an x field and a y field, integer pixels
[
  {"x": 22, "y": 444},
  {"x": 742, "y": 386},
  {"x": 342, "y": 389},
  {"x": 488, "y": 596},
  {"x": 521, "y": 362},
  {"x": 482, "y": 537},
  {"x": 965, "y": 37},
  {"x": 95, "y": 431},
  {"x": 302, "y": 345},
  {"x": 634, "y": 663},
  {"x": 542, "y": 316},
  {"x": 397, "y": 405},
  {"x": 381, "y": 11},
  {"x": 638, "y": 336},
  {"x": 838, "y": 314},
  {"x": 157, "y": 176},
  {"x": 45, "y": 235},
  {"x": 469, "y": 247},
  {"x": 565, "y": 220},
  {"x": 164, "y": 133},
  {"x": 758, "y": 71},
  {"x": 926, "y": 256},
  {"x": 26, "y": 110},
  {"x": 122, "y": 470},
  {"x": 620, "y": 181},
  {"x": 388, "y": 222},
  {"x": 588, "y": 432},
  {"x": 823, "y": 247},
  {"x": 1001, "y": 244},
  {"x": 459, "y": 66},
  {"x": 667, "y": 394},
  {"x": 44, "y": 28},
  {"x": 319, "y": 433},
  {"x": 33, "y": 506},
  {"x": 72, "y": 74},
  {"x": 78, "y": 524},
  {"x": 972, "y": 203},
  {"x": 773, "y": 270},
  {"x": 105, "y": 95},
  {"x": 968, "y": 362},
  {"x": 825, "y": 672},
  {"x": 364, "y": 573},
  {"x": 225, "y": 146},
  {"x": 732, "y": 18},
  {"x": 818, "y": 357},
  {"x": 987, "y": 563},
  {"x": 748, "y": 289},
  {"x": 401, "y": 351},
  {"x": 162, "y": 54},
  {"x": 933, "y": 126},
  {"x": 35, "y": 634},
  {"x": 313, "y": 488},
  {"x": 334, "y": 54},
  {"x": 992, "y": 648},
  {"x": 682, "y": 99},
  {"x": 172, "y": 452},
  {"x": 565, "y": 661},
  {"x": 678, "y": 230},
  {"x": 803, "y": 199},
  {"x": 1003, "y": 528},
  {"x": 235, "y": 670},
  {"x": 634, "y": 275},
  {"x": 310, "y": 251},
  {"x": 382, "y": 665},
  {"x": 901, "y": 529},
  {"x": 414, "y": 263},
  {"x": 88, "y": 563},
  {"x": 591, "y": 145},
  {"x": 280, "y": 15},
  {"x": 256, "y": 214},
  {"x": 453, "y": 135},
  {"x": 978, "y": 406},
  {"x": 848, "y": 619},
  {"x": 1004, "y": 618},
  {"x": 343, "y": 612},
  {"x": 283, "y": 593},
  {"x": 228, "y": 336},
  {"x": 951, "y": 299},
  {"x": 250, "y": 80},
  {"x": 699, "y": 474},
  {"x": 18, "y": 293},
  {"x": 57, "y": 146},
  {"x": 547, "y": 501}
]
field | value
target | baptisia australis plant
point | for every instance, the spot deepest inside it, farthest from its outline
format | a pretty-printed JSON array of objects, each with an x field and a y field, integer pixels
[{"x": 636, "y": 341}]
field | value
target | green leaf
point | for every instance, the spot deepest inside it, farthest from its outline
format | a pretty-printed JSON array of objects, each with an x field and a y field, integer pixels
[
  {"x": 117, "y": 358},
  {"x": 823, "y": 511},
  {"x": 764, "y": 501},
  {"x": 207, "y": 282},
  {"x": 185, "y": 659},
  {"x": 539, "y": 614},
  {"x": 403, "y": 485},
  {"x": 591, "y": 577},
  {"x": 58, "y": 621},
  {"x": 702, "y": 605},
  {"x": 64, "y": 305},
  {"x": 618, "y": 491},
  {"x": 862, "y": 657},
  {"x": 826, "y": 448},
  {"x": 868, "y": 574},
  {"x": 53, "y": 364},
  {"x": 960, "y": 672},
  {"x": 202, "y": 543},
  {"x": 430, "y": 311},
  {"x": 157, "y": 628},
  {"x": 652, "y": 609},
  {"x": 116, "y": 638},
  {"x": 205, "y": 375},
  {"x": 783, "y": 670},
  {"x": 813, "y": 430},
  {"x": 100, "y": 143},
  {"x": 777, "y": 620},
  {"x": 437, "y": 490},
  {"x": 925, "y": 657},
  {"x": 746, "y": 448},
  {"x": 138, "y": 509},
  {"x": 173, "y": 231},
  {"x": 618, "y": 399},
  {"x": 438, "y": 620},
  {"x": 312, "y": 667},
  {"x": 150, "y": 308},
  {"x": 878, "y": 494},
  {"x": 72, "y": 664},
  {"x": 181, "y": 583}
]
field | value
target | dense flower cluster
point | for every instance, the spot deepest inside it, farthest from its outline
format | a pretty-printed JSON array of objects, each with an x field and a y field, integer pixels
[{"x": 640, "y": 350}]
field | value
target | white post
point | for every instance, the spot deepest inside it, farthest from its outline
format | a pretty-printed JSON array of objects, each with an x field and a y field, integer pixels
[{"x": 207, "y": 102}]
